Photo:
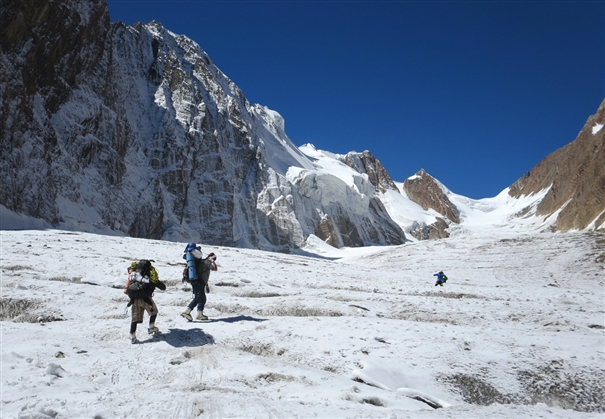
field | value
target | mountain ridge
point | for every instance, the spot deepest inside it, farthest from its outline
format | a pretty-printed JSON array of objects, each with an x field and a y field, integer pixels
[
  {"x": 575, "y": 178},
  {"x": 133, "y": 130}
]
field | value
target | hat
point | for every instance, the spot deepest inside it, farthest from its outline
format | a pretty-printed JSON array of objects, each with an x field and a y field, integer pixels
[{"x": 212, "y": 256}]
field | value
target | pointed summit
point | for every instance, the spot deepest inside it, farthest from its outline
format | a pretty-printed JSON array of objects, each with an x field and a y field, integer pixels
[
  {"x": 366, "y": 163},
  {"x": 427, "y": 192}
]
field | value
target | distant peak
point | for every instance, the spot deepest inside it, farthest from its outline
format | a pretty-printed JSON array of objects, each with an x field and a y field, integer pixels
[
  {"x": 427, "y": 192},
  {"x": 420, "y": 174},
  {"x": 365, "y": 153}
]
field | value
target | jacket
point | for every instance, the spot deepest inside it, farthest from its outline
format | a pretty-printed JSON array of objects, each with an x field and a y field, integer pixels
[{"x": 203, "y": 268}]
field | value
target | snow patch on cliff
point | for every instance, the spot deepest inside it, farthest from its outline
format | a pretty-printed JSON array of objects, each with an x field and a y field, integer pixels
[
  {"x": 274, "y": 145},
  {"x": 328, "y": 163}
]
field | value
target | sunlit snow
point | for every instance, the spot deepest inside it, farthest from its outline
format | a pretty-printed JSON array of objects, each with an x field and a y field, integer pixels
[{"x": 517, "y": 331}]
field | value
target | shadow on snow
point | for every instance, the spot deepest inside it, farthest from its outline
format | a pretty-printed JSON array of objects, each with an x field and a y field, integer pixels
[
  {"x": 180, "y": 338},
  {"x": 236, "y": 319}
]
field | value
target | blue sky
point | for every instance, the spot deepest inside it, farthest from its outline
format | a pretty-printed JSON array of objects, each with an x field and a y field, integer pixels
[{"x": 474, "y": 92}]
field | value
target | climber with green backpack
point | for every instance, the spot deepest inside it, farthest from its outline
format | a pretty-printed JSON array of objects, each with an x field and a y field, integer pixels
[{"x": 142, "y": 282}]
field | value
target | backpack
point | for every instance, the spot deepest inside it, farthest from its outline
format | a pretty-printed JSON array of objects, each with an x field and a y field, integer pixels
[
  {"x": 141, "y": 279},
  {"x": 138, "y": 289},
  {"x": 190, "y": 273},
  {"x": 144, "y": 268},
  {"x": 186, "y": 272}
]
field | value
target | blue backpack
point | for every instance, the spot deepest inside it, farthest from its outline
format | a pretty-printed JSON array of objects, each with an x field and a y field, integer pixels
[{"x": 190, "y": 273}]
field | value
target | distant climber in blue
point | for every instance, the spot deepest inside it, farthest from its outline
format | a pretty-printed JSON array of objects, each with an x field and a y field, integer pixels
[{"x": 441, "y": 278}]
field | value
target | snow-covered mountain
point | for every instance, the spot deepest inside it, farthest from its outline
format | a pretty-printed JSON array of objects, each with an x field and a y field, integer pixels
[{"x": 133, "y": 130}]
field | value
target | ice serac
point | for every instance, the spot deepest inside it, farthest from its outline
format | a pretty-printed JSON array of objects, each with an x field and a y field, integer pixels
[
  {"x": 341, "y": 216},
  {"x": 427, "y": 192},
  {"x": 107, "y": 127},
  {"x": 575, "y": 178}
]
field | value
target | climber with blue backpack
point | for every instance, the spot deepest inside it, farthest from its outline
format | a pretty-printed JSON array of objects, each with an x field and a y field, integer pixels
[{"x": 197, "y": 274}]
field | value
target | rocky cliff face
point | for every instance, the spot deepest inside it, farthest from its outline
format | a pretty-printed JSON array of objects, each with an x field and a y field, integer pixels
[
  {"x": 106, "y": 127},
  {"x": 43, "y": 61},
  {"x": 133, "y": 128},
  {"x": 424, "y": 190},
  {"x": 366, "y": 163},
  {"x": 575, "y": 178}
]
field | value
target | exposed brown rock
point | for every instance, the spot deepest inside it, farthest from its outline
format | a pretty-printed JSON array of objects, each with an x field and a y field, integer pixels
[
  {"x": 575, "y": 174},
  {"x": 325, "y": 231},
  {"x": 366, "y": 163},
  {"x": 437, "y": 230},
  {"x": 338, "y": 233},
  {"x": 424, "y": 190}
]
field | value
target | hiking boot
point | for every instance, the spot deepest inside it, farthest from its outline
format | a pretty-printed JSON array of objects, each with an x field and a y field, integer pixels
[
  {"x": 201, "y": 316},
  {"x": 152, "y": 330},
  {"x": 133, "y": 339},
  {"x": 187, "y": 314}
]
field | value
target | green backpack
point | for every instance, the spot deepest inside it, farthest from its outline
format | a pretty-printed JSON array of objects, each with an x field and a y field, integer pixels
[{"x": 140, "y": 278}]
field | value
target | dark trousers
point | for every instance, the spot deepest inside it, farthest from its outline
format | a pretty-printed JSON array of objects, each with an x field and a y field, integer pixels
[{"x": 199, "y": 295}]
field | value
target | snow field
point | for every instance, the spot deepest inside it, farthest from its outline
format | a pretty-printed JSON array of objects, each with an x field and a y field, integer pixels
[{"x": 518, "y": 330}]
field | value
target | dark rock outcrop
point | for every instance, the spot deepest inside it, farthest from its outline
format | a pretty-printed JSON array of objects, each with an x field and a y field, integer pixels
[
  {"x": 575, "y": 175},
  {"x": 366, "y": 163},
  {"x": 437, "y": 230},
  {"x": 424, "y": 190},
  {"x": 47, "y": 49}
]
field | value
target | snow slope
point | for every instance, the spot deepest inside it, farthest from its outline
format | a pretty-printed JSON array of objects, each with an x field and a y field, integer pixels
[
  {"x": 498, "y": 213},
  {"x": 517, "y": 331}
]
